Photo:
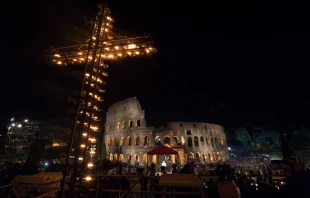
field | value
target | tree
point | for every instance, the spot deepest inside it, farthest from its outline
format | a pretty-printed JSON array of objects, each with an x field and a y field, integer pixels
[
  {"x": 262, "y": 144},
  {"x": 242, "y": 135},
  {"x": 286, "y": 148}
]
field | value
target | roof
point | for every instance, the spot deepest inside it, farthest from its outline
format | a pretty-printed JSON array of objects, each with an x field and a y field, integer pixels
[{"x": 162, "y": 150}]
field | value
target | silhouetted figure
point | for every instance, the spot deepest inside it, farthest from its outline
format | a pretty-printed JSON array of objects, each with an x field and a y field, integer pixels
[{"x": 33, "y": 161}]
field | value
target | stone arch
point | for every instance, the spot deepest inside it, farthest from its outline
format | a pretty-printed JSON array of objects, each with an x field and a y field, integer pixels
[
  {"x": 144, "y": 159},
  {"x": 130, "y": 124},
  {"x": 214, "y": 157},
  {"x": 189, "y": 142},
  {"x": 201, "y": 139},
  {"x": 121, "y": 158},
  {"x": 177, "y": 140},
  {"x": 129, "y": 141},
  {"x": 115, "y": 157},
  {"x": 111, "y": 157},
  {"x": 108, "y": 142},
  {"x": 146, "y": 140},
  {"x": 196, "y": 141},
  {"x": 122, "y": 141},
  {"x": 129, "y": 159},
  {"x": 207, "y": 141},
  {"x": 137, "y": 142},
  {"x": 124, "y": 125},
  {"x": 157, "y": 140},
  {"x": 138, "y": 123},
  {"x": 197, "y": 156},
  {"x": 118, "y": 125},
  {"x": 210, "y": 157},
  {"x": 204, "y": 158},
  {"x": 167, "y": 140},
  {"x": 112, "y": 141},
  {"x": 136, "y": 158}
]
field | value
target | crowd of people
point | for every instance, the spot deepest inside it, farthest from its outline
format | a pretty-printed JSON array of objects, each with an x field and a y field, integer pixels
[{"x": 258, "y": 181}]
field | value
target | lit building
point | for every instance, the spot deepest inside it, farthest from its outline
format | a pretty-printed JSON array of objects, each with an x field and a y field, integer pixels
[
  {"x": 128, "y": 139},
  {"x": 59, "y": 143}
]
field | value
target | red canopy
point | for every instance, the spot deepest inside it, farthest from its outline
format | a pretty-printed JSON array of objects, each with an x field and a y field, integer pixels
[{"x": 162, "y": 150}]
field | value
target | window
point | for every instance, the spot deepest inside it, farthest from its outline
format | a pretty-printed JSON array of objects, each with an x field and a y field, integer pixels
[
  {"x": 188, "y": 133},
  {"x": 194, "y": 125},
  {"x": 130, "y": 124},
  {"x": 181, "y": 125},
  {"x": 205, "y": 127},
  {"x": 138, "y": 124}
]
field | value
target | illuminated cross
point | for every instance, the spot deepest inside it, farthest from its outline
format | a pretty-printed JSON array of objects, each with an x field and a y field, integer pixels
[{"x": 103, "y": 45}]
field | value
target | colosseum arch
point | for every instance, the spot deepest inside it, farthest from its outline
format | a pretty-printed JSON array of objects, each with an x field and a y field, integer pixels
[
  {"x": 118, "y": 126},
  {"x": 144, "y": 159},
  {"x": 138, "y": 123},
  {"x": 196, "y": 141},
  {"x": 112, "y": 141},
  {"x": 115, "y": 158},
  {"x": 167, "y": 140},
  {"x": 204, "y": 157},
  {"x": 137, "y": 142},
  {"x": 124, "y": 125},
  {"x": 221, "y": 141},
  {"x": 129, "y": 141},
  {"x": 201, "y": 139},
  {"x": 129, "y": 159},
  {"x": 157, "y": 140},
  {"x": 111, "y": 157},
  {"x": 130, "y": 124},
  {"x": 207, "y": 141},
  {"x": 189, "y": 142},
  {"x": 122, "y": 142},
  {"x": 198, "y": 157},
  {"x": 212, "y": 141},
  {"x": 121, "y": 158},
  {"x": 108, "y": 142},
  {"x": 136, "y": 158},
  {"x": 176, "y": 139},
  {"x": 210, "y": 157},
  {"x": 146, "y": 140}
]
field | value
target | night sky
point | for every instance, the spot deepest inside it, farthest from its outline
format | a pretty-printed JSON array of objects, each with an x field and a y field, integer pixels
[{"x": 227, "y": 63}]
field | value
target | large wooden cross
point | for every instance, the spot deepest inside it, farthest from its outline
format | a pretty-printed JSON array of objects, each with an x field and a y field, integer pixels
[{"x": 103, "y": 45}]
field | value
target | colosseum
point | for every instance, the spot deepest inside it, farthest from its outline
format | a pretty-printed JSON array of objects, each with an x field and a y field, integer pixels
[{"x": 128, "y": 138}]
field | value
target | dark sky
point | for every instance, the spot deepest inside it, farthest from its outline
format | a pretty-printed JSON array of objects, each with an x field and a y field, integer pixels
[{"x": 228, "y": 63}]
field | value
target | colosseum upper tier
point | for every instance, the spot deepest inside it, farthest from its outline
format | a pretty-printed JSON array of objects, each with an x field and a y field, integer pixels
[{"x": 128, "y": 139}]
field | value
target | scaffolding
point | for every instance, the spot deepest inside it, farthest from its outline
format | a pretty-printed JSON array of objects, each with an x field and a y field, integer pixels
[
  {"x": 103, "y": 45},
  {"x": 18, "y": 139}
]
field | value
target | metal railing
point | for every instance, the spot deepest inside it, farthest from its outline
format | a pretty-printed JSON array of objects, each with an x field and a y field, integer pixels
[{"x": 23, "y": 189}]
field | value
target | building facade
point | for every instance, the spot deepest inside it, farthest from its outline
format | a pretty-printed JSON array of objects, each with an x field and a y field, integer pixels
[{"x": 128, "y": 139}]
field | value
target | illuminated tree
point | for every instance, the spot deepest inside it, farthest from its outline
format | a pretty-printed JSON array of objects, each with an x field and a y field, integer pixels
[{"x": 242, "y": 135}]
